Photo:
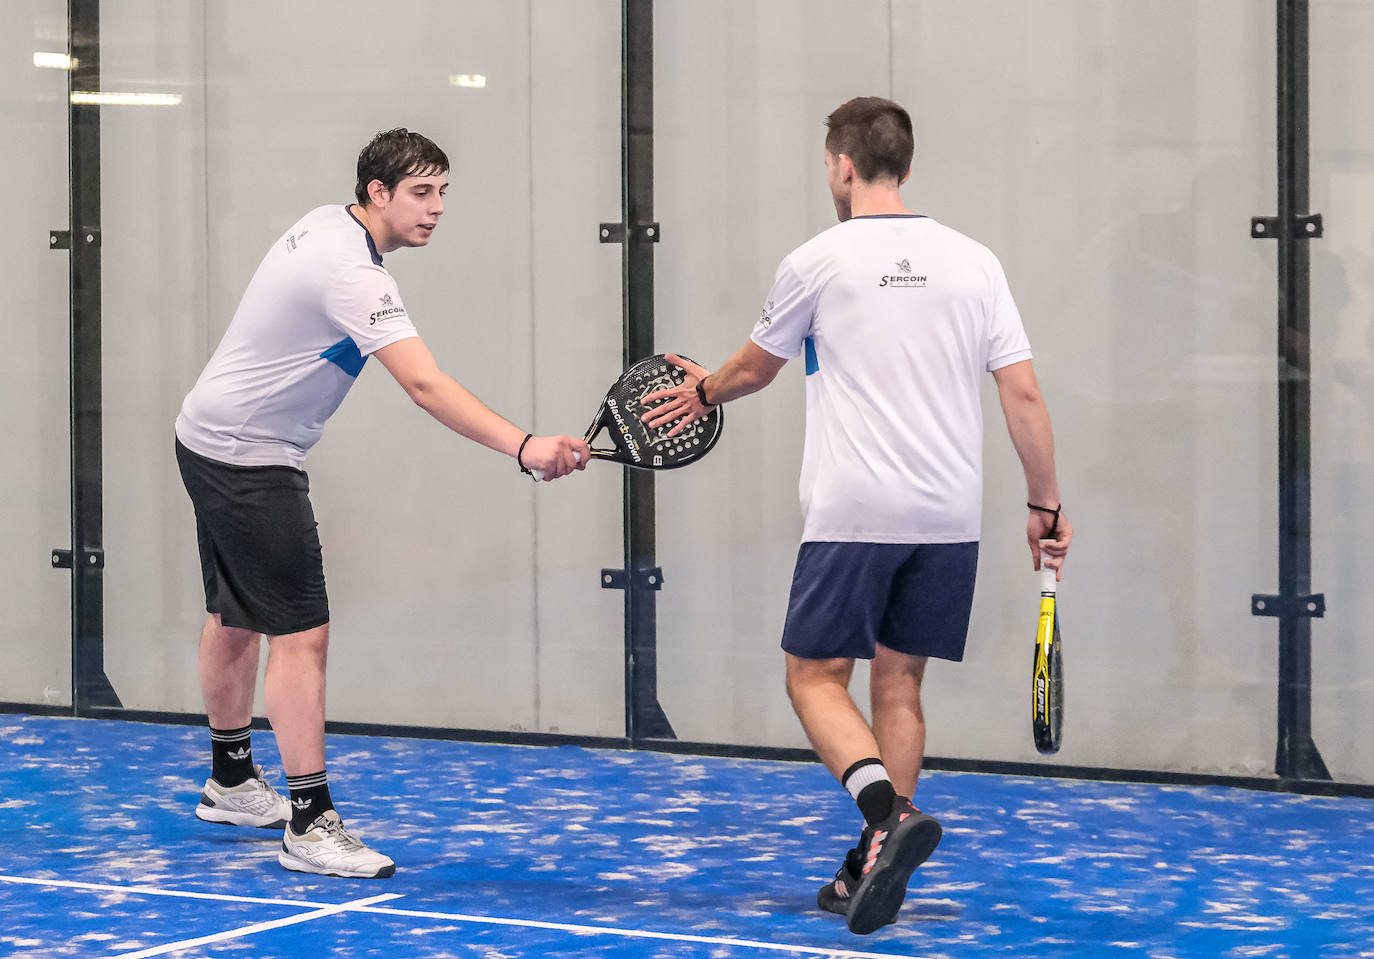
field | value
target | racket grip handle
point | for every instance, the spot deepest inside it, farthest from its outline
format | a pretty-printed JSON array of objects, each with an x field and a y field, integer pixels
[
  {"x": 539, "y": 474},
  {"x": 1048, "y": 577}
]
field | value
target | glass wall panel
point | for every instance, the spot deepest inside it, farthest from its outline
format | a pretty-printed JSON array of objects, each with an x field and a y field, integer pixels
[
  {"x": 741, "y": 92},
  {"x": 458, "y": 589},
  {"x": 1112, "y": 156},
  {"x": 35, "y": 491},
  {"x": 1342, "y": 170}
]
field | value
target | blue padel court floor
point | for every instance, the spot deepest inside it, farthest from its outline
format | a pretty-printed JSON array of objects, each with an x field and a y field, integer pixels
[{"x": 509, "y": 852}]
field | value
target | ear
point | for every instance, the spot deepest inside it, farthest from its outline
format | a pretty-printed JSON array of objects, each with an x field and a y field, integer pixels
[
  {"x": 378, "y": 193},
  {"x": 846, "y": 168},
  {"x": 905, "y": 176}
]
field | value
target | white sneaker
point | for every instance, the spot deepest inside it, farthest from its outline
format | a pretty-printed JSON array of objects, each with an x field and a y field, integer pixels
[
  {"x": 252, "y": 802},
  {"x": 327, "y": 848}
]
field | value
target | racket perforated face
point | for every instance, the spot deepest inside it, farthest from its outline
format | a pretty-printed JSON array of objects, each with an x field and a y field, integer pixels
[{"x": 639, "y": 446}]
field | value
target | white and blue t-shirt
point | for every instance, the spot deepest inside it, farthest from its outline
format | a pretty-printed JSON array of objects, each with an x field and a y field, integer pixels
[
  {"x": 319, "y": 304},
  {"x": 899, "y": 318}
]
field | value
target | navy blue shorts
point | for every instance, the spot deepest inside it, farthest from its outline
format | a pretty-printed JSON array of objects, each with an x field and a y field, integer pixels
[{"x": 849, "y": 597}]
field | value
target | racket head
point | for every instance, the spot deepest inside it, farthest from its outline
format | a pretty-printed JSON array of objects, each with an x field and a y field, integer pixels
[
  {"x": 1047, "y": 678},
  {"x": 638, "y": 446}
]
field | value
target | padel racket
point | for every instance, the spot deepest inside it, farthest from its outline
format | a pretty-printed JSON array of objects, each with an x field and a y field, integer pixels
[
  {"x": 636, "y": 445},
  {"x": 1047, "y": 678}
]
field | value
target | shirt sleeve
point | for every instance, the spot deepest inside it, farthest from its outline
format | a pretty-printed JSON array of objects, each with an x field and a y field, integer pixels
[
  {"x": 788, "y": 314},
  {"x": 365, "y": 303},
  {"x": 1007, "y": 342}
]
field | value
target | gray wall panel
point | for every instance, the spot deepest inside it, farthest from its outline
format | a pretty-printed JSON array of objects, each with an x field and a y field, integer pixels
[
  {"x": 433, "y": 547},
  {"x": 1343, "y": 387},
  {"x": 35, "y": 515},
  {"x": 1111, "y": 157}
]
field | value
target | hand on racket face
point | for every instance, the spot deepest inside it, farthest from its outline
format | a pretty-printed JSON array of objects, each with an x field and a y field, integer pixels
[
  {"x": 680, "y": 404},
  {"x": 550, "y": 457},
  {"x": 1046, "y": 551}
]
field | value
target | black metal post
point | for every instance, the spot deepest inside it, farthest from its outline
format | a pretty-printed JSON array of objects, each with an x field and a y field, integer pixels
[
  {"x": 644, "y": 717},
  {"x": 90, "y": 686},
  {"x": 1296, "y": 755}
]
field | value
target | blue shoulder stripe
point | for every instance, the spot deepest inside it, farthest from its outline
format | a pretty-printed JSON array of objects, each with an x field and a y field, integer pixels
[{"x": 812, "y": 364}]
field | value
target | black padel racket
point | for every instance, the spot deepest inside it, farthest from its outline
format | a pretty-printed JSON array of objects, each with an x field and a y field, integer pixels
[
  {"x": 1047, "y": 678},
  {"x": 636, "y": 445}
]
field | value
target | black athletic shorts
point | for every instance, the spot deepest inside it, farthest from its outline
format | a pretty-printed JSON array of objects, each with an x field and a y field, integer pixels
[{"x": 259, "y": 544}]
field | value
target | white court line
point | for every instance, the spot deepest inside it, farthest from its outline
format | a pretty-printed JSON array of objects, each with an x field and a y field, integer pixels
[
  {"x": 256, "y": 927},
  {"x": 637, "y": 933},
  {"x": 154, "y": 891},
  {"x": 362, "y": 905}
]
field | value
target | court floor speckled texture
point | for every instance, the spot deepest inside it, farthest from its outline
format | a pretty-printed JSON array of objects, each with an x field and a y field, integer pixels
[{"x": 507, "y": 852}]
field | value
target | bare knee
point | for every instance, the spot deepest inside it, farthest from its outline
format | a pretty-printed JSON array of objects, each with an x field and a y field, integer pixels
[
  {"x": 216, "y": 631},
  {"x": 308, "y": 644},
  {"x": 896, "y": 678},
  {"x": 805, "y": 676}
]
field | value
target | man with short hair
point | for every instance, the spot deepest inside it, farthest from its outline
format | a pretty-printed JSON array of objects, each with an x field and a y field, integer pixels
[
  {"x": 319, "y": 304},
  {"x": 898, "y": 317}
]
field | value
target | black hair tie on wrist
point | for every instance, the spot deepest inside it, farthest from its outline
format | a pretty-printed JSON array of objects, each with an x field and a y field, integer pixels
[
  {"x": 523, "y": 468},
  {"x": 701, "y": 391},
  {"x": 1053, "y": 512}
]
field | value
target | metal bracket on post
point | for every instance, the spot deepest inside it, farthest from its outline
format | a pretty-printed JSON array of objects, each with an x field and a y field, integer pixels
[
  {"x": 1281, "y": 607},
  {"x": 59, "y": 239},
  {"x": 643, "y": 232},
  {"x": 1308, "y": 227},
  {"x": 90, "y": 559},
  {"x": 643, "y": 579}
]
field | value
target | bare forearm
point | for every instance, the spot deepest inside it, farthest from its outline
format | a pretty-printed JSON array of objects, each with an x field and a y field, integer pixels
[
  {"x": 445, "y": 399},
  {"x": 740, "y": 375},
  {"x": 1028, "y": 422}
]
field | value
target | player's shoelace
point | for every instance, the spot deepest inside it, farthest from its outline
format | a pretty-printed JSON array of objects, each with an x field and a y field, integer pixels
[
  {"x": 265, "y": 792},
  {"x": 335, "y": 828}
]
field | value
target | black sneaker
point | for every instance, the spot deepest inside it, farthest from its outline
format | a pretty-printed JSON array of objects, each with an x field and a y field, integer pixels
[
  {"x": 834, "y": 896},
  {"x": 900, "y": 843}
]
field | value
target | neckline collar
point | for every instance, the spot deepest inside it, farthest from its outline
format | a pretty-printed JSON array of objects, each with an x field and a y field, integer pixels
[{"x": 371, "y": 247}]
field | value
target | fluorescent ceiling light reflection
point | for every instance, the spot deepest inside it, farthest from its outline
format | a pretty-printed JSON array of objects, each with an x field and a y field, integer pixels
[
  {"x": 127, "y": 99},
  {"x": 54, "y": 61},
  {"x": 473, "y": 81}
]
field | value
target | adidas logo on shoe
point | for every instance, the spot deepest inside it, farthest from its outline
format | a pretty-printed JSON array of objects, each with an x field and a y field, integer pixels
[{"x": 900, "y": 843}]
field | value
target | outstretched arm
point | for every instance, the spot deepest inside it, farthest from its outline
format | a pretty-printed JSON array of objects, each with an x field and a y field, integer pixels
[
  {"x": 749, "y": 370},
  {"x": 445, "y": 399},
  {"x": 1028, "y": 422}
]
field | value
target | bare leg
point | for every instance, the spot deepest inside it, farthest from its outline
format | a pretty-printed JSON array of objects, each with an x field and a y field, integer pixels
[
  {"x": 295, "y": 697},
  {"x": 819, "y": 689},
  {"x": 228, "y": 673},
  {"x": 898, "y": 722}
]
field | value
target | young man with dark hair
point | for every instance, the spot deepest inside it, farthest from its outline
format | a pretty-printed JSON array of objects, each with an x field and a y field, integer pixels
[
  {"x": 898, "y": 317},
  {"x": 319, "y": 304}
]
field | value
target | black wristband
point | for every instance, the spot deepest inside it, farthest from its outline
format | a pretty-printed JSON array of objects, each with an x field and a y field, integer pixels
[
  {"x": 524, "y": 469},
  {"x": 1053, "y": 512},
  {"x": 701, "y": 391}
]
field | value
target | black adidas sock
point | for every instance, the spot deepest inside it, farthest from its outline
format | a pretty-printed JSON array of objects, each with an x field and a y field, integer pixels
[
  {"x": 309, "y": 798},
  {"x": 231, "y": 755},
  {"x": 868, "y": 782}
]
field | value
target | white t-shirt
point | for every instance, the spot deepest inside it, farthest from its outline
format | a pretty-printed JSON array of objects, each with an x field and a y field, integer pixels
[
  {"x": 899, "y": 317},
  {"x": 319, "y": 304}
]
